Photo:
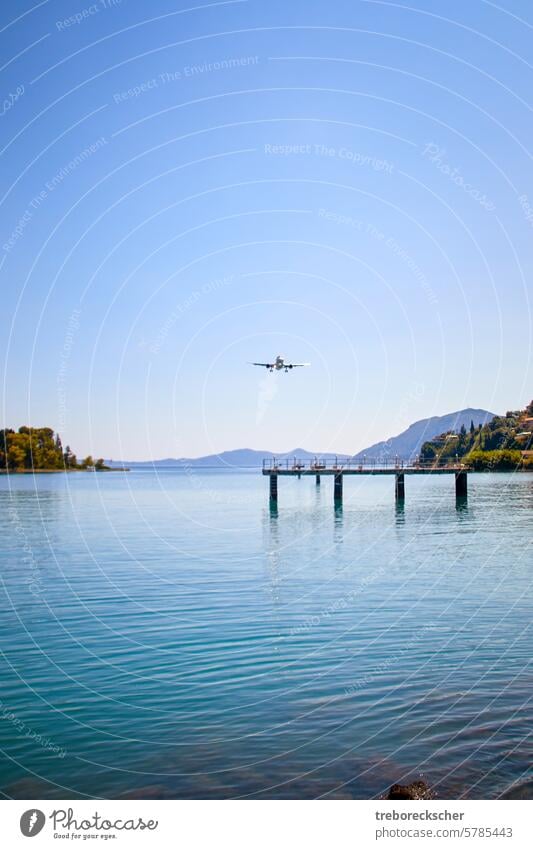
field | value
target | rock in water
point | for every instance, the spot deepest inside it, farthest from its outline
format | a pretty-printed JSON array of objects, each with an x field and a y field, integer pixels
[
  {"x": 519, "y": 791},
  {"x": 415, "y": 790}
]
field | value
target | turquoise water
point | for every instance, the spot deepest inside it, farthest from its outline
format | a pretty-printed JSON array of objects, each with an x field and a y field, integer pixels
[{"x": 165, "y": 635}]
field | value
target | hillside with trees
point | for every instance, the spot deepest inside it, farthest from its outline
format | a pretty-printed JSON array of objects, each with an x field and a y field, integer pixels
[
  {"x": 40, "y": 449},
  {"x": 504, "y": 443},
  {"x": 408, "y": 444}
]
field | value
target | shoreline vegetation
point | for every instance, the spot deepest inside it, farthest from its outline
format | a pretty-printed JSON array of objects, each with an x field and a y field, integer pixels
[
  {"x": 36, "y": 450},
  {"x": 502, "y": 445},
  {"x": 61, "y": 471}
]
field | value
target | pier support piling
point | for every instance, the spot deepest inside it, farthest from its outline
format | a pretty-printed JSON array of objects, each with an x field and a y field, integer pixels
[
  {"x": 400, "y": 487},
  {"x": 461, "y": 486},
  {"x": 274, "y": 470}
]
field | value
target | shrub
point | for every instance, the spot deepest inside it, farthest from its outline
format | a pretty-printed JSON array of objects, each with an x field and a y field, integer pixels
[{"x": 501, "y": 460}]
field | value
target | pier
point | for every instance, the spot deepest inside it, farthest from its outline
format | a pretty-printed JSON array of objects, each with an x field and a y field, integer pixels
[{"x": 339, "y": 469}]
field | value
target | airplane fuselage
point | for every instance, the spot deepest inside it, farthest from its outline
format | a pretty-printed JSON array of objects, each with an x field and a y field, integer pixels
[{"x": 280, "y": 364}]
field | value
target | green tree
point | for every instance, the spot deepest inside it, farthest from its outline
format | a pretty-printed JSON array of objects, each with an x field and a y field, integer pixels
[
  {"x": 428, "y": 451},
  {"x": 502, "y": 460},
  {"x": 38, "y": 448},
  {"x": 4, "y": 436},
  {"x": 16, "y": 456}
]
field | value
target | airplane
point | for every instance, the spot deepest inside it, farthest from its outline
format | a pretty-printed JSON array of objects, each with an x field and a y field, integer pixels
[{"x": 279, "y": 364}]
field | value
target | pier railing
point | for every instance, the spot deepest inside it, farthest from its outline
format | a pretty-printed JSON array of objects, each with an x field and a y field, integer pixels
[{"x": 339, "y": 463}]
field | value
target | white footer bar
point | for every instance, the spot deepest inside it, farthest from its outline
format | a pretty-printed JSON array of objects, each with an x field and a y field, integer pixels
[{"x": 267, "y": 824}]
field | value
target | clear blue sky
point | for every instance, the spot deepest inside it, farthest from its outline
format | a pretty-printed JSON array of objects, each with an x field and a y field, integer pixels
[{"x": 186, "y": 187}]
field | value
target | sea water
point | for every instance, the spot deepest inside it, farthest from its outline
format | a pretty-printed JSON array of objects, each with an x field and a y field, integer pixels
[{"x": 165, "y": 634}]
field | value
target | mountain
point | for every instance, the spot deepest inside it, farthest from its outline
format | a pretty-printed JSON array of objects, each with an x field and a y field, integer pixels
[
  {"x": 405, "y": 445},
  {"x": 248, "y": 457},
  {"x": 408, "y": 443},
  {"x": 238, "y": 458}
]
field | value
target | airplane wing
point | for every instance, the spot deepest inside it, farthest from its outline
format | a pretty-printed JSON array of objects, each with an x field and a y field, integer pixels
[
  {"x": 265, "y": 365},
  {"x": 295, "y": 365}
]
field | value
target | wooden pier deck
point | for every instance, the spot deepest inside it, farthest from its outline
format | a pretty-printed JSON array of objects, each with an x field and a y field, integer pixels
[{"x": 339, "y": 468}]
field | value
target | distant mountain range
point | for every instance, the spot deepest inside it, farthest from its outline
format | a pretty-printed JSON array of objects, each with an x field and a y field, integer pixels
[{"x": 407, "y": 444}]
